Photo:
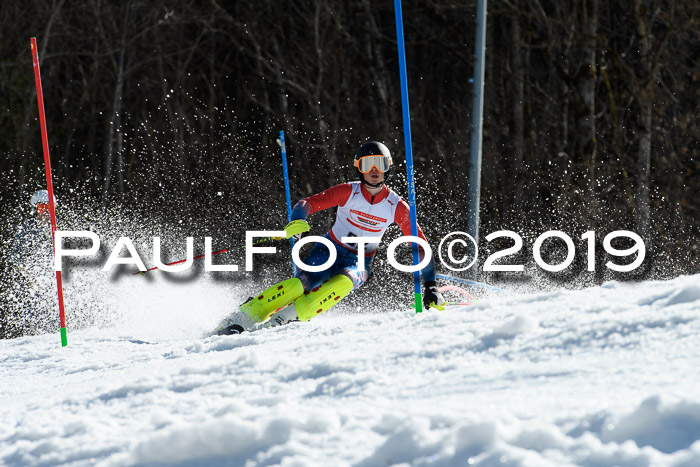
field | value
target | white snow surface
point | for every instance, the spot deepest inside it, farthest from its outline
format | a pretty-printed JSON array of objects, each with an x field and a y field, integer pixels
[{"x": 602, "y": 376}]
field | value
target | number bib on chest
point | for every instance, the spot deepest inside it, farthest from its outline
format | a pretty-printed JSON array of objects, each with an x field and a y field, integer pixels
[{"x": 359, "y": 218}]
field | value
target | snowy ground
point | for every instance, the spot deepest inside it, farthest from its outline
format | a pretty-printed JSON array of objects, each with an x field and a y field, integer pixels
[{"x": 602, "y": 376}]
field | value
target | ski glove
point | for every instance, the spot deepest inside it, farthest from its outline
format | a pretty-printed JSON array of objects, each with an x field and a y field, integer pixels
[
  {"x": 296, "y": 228},
  {"x": 431, "y": 297}
]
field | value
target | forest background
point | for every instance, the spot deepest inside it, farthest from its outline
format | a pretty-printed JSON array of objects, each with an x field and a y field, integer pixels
[{"x": 170, "y": 111}]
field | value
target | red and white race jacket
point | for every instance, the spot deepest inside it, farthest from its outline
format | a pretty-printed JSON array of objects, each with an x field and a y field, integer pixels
[{"x": 360, "y": 214}]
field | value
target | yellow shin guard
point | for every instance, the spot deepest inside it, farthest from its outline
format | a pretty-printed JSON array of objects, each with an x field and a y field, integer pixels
[
  {"x": 272, "y": 299},
  {"x": 323, "y": 298}
]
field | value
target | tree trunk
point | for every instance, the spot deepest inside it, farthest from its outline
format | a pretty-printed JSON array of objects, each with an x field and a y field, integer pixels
[
  {"x": 115, "y": 137},
  {"x": 518, "y": 117},
  {"x": 645, "y": 98},
  {"x": 331, "y": 159},
  {"x": 586, "y": 144}
]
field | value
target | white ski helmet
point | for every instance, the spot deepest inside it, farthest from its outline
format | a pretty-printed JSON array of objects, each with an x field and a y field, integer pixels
[{"x": 39, "y": 197}]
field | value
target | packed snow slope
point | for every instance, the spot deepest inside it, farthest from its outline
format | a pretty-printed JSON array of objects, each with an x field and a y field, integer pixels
[{"x": 602, "y": 376}]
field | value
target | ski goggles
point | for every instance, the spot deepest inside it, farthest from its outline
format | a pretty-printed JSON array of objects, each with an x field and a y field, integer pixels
[
  {"x": 365, "y": 163},
  {"x": 42, "y": 208}
]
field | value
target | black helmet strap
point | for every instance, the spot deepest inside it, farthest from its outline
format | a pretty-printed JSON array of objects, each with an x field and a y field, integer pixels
[{"x": 373, "y": 185}]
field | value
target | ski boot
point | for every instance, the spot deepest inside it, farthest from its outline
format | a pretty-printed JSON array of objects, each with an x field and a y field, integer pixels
[
  {"x": 235, "y": 324},
  {"x": 286, "y": 315}
]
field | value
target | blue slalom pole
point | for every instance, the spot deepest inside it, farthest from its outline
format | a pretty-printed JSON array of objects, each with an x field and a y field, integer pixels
[
  {"x": 418, "y": 294},
  {"x": 286, "y": 187}
]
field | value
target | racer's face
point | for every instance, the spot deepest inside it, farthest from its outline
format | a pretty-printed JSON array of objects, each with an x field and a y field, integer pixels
[{"x": 43, "y": 213}]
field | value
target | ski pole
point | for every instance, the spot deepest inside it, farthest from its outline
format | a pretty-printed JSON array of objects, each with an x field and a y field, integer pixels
[
  {"x": 286, "y": 188},
  {"x": 224, "y": 250}
]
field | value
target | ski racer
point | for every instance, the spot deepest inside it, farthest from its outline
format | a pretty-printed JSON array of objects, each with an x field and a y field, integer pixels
[
  {"x": 32, "y": 255},
  {"x": 365, "y": 209},
  {"x": 31, "y": 246}
]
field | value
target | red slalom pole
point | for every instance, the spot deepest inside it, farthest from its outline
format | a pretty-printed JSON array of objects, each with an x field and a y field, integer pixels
[{"x": 49, "y": 184}]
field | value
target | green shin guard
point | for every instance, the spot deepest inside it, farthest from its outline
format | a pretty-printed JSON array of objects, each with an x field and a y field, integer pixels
[
  {"x": 260, "y": 308},
  {"x": 323, "y": 298}
]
